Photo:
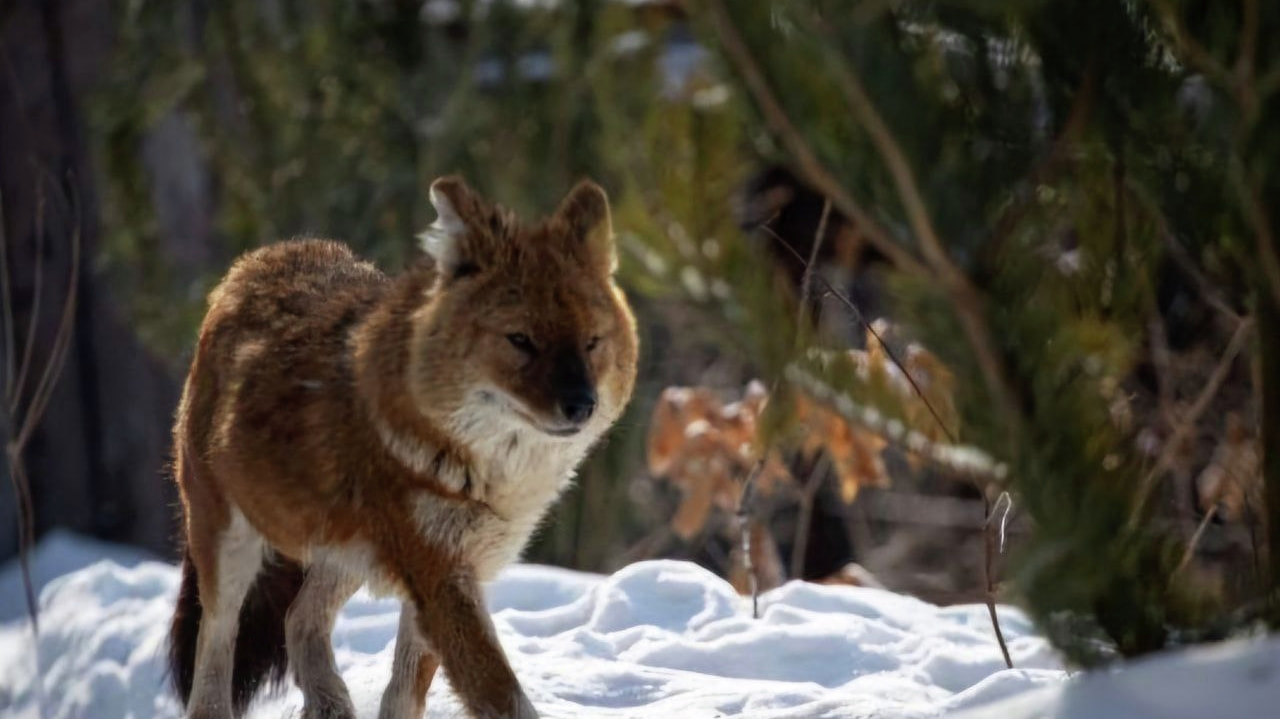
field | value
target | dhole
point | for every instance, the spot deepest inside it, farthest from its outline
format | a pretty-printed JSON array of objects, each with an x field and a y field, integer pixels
[{"x": 340, "y": 427}]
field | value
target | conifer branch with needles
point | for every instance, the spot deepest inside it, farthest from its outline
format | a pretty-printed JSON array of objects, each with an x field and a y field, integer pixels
[{"x": 988, "y": 559}]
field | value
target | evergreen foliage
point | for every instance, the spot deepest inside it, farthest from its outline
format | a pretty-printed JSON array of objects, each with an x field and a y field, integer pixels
[{"x": 1047, "y": 180}]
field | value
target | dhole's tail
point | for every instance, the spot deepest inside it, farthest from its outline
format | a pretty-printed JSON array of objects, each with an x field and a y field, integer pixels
[{"x": 260, "y": 644}]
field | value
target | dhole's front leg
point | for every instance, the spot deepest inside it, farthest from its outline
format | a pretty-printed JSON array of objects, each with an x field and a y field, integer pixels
[
  {"x": 413, "y": 669},
  {"x": 453, "y": 618}
]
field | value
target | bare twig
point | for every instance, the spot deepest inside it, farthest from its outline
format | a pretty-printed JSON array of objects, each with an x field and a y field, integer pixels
[
  {"x": 801, "y": 540},
  {"x": 988, "y": 559},
  {"x": 746, "y": 503},
  {"x": 967, "y": 300},
  {"x": 806, "y": 281},
  {"x": 38, "y": 278},
  {"x": 1002, "y": 508},
  {"x": 862, "y": 320},
  {"x": 61, "y": 343},
  {"x": 21, "y": 426},
  {"x": 1188, "y": 420},
  {"x": 1194, "y": 542},
  {"x": 26, "y": 532},
  {"x": 800, "y": 544}
]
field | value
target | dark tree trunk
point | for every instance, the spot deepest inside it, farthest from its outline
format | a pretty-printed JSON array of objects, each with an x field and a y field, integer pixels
[
  {"x": 97, "y": 456},
  {"x": 1268, "y": 324}
]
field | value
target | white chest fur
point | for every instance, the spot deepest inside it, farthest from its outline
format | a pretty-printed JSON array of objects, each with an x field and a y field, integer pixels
[{"x": 519, "y": 473}]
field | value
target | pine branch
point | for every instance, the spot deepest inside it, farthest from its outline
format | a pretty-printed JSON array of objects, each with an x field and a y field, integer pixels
[
  {"x": 958, "y": 460},
  {"x": 810, "y": 167},
  {"x": 1170, "y": 449},
  {"x": 861, "y": 319},
  {"x": 967, "y": 300}
]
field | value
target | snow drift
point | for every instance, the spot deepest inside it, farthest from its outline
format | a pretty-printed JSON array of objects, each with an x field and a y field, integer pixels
[{"x": 657, "y": 639}]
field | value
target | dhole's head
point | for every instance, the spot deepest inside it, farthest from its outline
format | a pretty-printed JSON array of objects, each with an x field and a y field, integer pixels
[{"x": 526, "y": 328}]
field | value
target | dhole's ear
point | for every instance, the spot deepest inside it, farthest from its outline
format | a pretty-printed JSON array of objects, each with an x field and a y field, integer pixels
[
  {"x": 586, "y": 210},
  {"x": 446, "y": 240}
]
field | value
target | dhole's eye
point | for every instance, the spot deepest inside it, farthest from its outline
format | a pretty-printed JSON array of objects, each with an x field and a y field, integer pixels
[
  {"x": 521, "y": 341},
  {"x": 593, "y": 343}
]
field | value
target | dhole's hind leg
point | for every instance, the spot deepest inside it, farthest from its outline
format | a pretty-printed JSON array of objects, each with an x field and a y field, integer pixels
[
  {"x": 224, "y": 573},
  {"x": 308, "y": 632},
  {"x": 412, "y": 670}
]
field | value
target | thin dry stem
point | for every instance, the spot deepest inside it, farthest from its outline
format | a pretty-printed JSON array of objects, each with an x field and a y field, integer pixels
[
  {"x": 20, "y": 385},
  {"x": 987, "y": 548},
  {"x": 806, "y": 281},
  {"x": 800, "y": 544},
  {"x": 26, "y": 532},
  {"x": 967, "y": 300},
  {"x": 1188, "y": 421},
  {"x": 21, "y": 431},
  {"x": 801, "y": 540},
  {"x": 746, "y": 502},
  {"x": 862, "y": 320},
  {"x": 988, "y": 542},
  {"x": 1194, "y": 542},
  {"x": 61, "y": 344}
]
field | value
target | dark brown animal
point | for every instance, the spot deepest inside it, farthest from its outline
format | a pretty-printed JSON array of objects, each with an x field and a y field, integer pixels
[{"x": 340, "y": 427}]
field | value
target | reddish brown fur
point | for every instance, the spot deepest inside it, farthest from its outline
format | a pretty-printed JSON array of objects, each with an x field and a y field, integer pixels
[{"x": 306, "y": 349}]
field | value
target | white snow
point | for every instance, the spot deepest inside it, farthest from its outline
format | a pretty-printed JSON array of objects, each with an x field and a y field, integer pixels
[
  {"x": 59, "y": 552},
  {"x": 657, "y": 639}
]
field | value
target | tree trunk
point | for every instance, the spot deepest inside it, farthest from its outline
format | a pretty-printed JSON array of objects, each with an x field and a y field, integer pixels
[
  {"x": 1268, "y": 373},
  {"x": 96, "y": 457}
]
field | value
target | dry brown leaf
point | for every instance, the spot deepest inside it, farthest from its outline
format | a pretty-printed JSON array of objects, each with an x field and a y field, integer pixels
[
  {"x": 1232, "y": 481},
  {"x": 695, "y": 507},
  {"x": 707, "y": 449},
  {"x": 855, "y": 453},
  {"x": 677, "y": 407}
]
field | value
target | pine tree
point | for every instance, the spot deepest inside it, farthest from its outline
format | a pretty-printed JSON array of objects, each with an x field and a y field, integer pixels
[{"x": 1069, "y": 202}]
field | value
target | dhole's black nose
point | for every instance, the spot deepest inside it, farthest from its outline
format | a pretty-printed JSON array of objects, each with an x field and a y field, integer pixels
[{"x": 578, "y": 406}]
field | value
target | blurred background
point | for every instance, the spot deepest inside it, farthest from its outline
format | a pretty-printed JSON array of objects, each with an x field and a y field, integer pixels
[{"x": 969, "y": 299}]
